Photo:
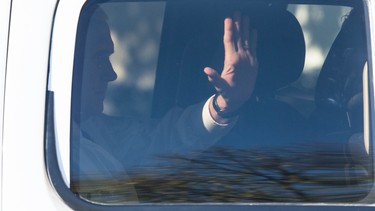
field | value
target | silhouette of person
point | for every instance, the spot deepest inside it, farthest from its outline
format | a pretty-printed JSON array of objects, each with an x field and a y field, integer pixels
[{"x": 105, "y": 146}]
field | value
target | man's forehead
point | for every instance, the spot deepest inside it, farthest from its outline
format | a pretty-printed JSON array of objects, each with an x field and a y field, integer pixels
[{"x": 99, "y": 37}]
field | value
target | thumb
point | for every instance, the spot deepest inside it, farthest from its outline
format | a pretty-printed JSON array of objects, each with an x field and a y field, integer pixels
[{"x": 215, "y": 79}]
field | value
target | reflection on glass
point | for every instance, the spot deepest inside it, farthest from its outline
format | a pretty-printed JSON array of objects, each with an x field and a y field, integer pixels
[
  {"x": 292, "y": 142},
  {"x": 135, "y": 31}
]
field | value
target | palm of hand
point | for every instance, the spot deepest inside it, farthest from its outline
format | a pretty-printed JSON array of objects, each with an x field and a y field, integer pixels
[{"x": 237, "y": 80}]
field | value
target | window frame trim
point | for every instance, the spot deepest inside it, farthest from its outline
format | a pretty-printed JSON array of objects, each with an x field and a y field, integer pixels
[
  {"x": 60, "y": 76},
  {"x": 57, "y": 140},
  {"x": 369, "y": 5}
]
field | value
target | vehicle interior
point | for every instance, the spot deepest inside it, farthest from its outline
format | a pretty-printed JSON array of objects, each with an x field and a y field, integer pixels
[{"x": 300, "y": 138}]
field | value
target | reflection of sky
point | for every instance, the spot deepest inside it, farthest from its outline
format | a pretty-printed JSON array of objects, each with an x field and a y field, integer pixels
[
  {"x": 135, "y": 30},
  {"x": 320, "y": 24}
]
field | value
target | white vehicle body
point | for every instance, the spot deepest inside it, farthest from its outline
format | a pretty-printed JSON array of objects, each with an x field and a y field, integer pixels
[
  {"x": 24, "y": 180},
  {"x": 28, "y": 32}
]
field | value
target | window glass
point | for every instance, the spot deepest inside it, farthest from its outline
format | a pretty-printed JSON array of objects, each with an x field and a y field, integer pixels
[{"x": 143, "y": 124}]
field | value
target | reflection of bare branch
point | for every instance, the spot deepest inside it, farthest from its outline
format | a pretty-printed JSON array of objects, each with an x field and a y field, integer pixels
[
  {"x": 290, "y": 175},
  {"x": 238, "y": 175}
]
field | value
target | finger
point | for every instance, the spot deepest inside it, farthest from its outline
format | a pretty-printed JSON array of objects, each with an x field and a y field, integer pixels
[
  {"x": 246, "y": 32},
  {"x": 215, "y": 79},
  {"x": 237, "y": 30},
  {"x": 228, "y": 36}
]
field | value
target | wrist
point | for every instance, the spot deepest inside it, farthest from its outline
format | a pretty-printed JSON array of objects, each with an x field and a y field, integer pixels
[{"x": 222, "y": 111}]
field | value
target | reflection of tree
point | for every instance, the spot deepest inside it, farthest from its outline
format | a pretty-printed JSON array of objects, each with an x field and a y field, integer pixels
[
  {"x": 227, "y": 175},
  {"x": 238, "y": 175}
]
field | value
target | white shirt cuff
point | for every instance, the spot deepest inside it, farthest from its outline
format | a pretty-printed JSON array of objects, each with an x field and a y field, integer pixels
[{"x": 209, "y": 123}]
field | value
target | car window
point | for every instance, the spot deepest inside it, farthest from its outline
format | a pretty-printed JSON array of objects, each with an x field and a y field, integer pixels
[{"x": 139, "y": 92}]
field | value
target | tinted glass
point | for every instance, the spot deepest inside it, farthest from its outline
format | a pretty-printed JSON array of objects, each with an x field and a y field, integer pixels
[{"x": 139, "y": 92}]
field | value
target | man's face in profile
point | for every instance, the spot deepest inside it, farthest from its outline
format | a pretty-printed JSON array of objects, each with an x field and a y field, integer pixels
[{"x": 97, "y": 68}]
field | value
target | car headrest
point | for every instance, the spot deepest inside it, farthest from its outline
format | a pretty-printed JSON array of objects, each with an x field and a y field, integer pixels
[{"x": 280, "y": 53}]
